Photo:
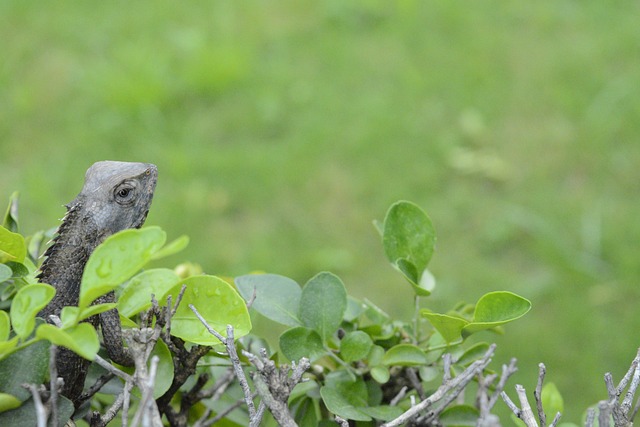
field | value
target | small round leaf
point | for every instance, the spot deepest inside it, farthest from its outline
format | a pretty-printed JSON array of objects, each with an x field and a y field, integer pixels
[
  {"x": 26, "y": 304},
  {"x": 404, "y": 355},
  {"x": 301, "y": 342},
  {"x": 355, "y": 346}
]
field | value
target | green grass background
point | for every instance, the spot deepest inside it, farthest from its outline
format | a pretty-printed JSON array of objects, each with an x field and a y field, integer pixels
[{"x": 281, "y": 129}]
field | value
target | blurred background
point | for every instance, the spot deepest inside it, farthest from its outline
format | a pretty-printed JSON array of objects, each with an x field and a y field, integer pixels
[{"x": 282, "y": 129}]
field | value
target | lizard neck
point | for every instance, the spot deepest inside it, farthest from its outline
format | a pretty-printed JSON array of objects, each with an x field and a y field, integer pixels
[{"x": 66, "y": 258}]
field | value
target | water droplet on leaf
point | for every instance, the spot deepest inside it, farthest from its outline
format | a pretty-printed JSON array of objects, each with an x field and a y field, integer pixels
[{"x": 104, "y": 268}]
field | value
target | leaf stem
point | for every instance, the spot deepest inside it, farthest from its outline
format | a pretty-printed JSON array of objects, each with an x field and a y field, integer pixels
[{"x": 416, "y": 319}]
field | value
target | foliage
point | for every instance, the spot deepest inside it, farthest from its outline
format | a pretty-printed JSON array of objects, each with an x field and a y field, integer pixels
[
  {"x": 360, "y": 356},
  {"x": 278, "y": 128}
]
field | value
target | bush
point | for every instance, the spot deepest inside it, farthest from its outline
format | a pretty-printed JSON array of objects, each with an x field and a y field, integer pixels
[{"x": 197, "y": 363}]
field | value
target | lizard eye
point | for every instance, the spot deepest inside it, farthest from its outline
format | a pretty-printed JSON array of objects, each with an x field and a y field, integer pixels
[{"x": 124, "y": 194}]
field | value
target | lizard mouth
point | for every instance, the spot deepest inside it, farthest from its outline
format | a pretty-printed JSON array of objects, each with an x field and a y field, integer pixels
[{"x": 139, "y": 223}]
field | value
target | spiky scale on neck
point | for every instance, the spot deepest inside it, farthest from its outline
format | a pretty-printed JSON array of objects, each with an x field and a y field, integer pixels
[
  {"x": 66, "y": 258},
  {"x": 115, "y": 196}
]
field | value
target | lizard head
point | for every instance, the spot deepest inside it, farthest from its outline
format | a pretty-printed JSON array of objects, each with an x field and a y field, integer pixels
[{"x": 116, "y": 195}]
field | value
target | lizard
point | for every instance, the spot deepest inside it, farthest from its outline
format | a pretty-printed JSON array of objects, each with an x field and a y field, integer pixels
[{"x": 115, "y": 196}]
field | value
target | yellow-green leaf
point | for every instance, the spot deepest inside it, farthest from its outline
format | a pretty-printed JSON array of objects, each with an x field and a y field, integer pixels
[
  {"x": 5, "y": 326},
  {"x": 118, "y": 258},
  {"x": 172, "y": 248},
  {"x": 136, "y": 296},
  {"x": 8, "y": 401},
  {"x": 449, "y": 327},
  {"x": 81, "y": 339},
  {"x": 495, "y": 309},
  {"x": 218, "y": 303},
  {"x": 26, "y": 304},
  {"x": 12, "y": 246}
]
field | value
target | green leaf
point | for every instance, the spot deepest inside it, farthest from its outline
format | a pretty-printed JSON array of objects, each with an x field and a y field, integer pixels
[
  {"x": 5, "y": 326},
  {"x": 136, "y": 296},
  {"x": 29, "y": 365},
  {"x": 410, "y": 272},
  {"x": 375, "y": 355},
  {"x": 459, "y": 416},
  {"x": 380, "y": 374},
  {"x": 323, "y": 303},
  {"x": 276, "y": 297},
  {"x": 217, "y": 302},
  {"x": 20, "y": 269},
  {"x": 304, "y": 389},
  {"x": 12, "y": 246},
  {"x": 82, "y": 339},
  {"x": 355, "y": 346},
  {"x": 495, "y": 309},
  {"x": 375, "y": 313},
  {"x": 449, "y": 327},
  {"x": 552, "y": 401},
  {"x": 404, "y": 355},
  {"x": 384, "y": 412},
  {"x": 5, "y": 272},
  {"x": 356, "y": 390},
  {"x": 301, "y": 342},
  {"x": 71, "y": 315},
  {"x": 473, "y": 353},
  {"x": 26, "y": 414},
  {"x": 118, "y": 258},
  {"x": 409, "y": 239},
  {"x": 10, "y": 221},
  {"x": 172, "y": 248},
  {"x": 165, "y": 366},
  {"x": 8, "y": 401},
  {"x": 26, "y": 304},
  {"x": 6, "y": 347},
  {"x": 339, "y": 405},
  {"x": 355, "y": 308}
]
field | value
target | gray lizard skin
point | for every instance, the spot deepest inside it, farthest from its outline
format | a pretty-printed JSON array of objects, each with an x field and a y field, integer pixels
[{"x": 115, "y": 196}]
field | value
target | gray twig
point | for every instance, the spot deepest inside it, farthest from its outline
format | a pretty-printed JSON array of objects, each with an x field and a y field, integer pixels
[
  {"x": 342, "y": 421},
  {"x": 401, "y": 394},
  {"x": 41, "y": 410},
  {"x": 274, "y": 385},
  {"x": 591, "y": 416},
  {"x": 454, "y": 384},
  {"x": 604, "y": 415},
  {"x": 537, "y": 394},
  {"x": 53, "y": 384},
  {"x": 112, "y": 369},
  {"x": 235, "y": 361}
]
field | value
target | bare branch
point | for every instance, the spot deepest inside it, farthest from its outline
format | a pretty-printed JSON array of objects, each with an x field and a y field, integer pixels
[
  {"x": 401, "y": 394},
  {"x": 235, "y": 360},
  {"x": 274, "y": 385},
  {"x": 53, "y": 384},
  {"x": 591, "y": 416},
  {"x": 100, "y": 382},
  {"x": 41, "y": 410},
  {"x": 342, "y": 421},
  {"x": 605, "y": 413},
  {"x": 253, "y": 297},
  {"x": 113, "y": 370},
  {"x": 456, "y": 383},
  {"x": 415, "y": 382},
  {"x": 446, "y": 361},
  {"x": 512, "y": 406},
  {"x": 204, "y": 422},
  {"x": 556, "y": 419},
  {"x": 537, "y": 394}
]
